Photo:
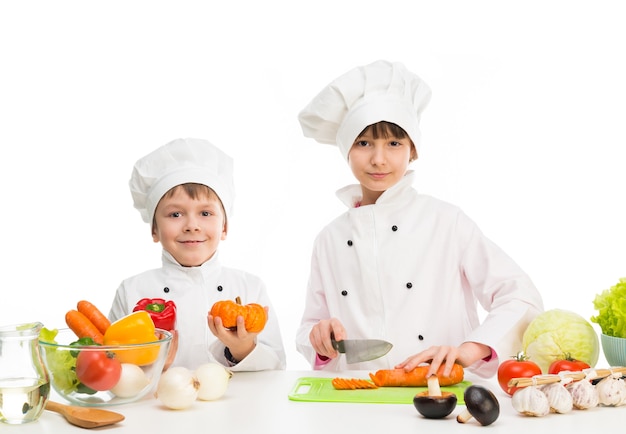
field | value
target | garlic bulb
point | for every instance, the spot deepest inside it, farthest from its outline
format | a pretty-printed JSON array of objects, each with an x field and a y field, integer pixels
[
  {"x": 530, "y": 401},
  {"x": 559, "y": 398},
  {"x": 611, "y": 391},
  {"x": 584, "y": 394}
]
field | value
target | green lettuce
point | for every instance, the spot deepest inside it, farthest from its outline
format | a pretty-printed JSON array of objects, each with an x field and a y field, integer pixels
[
  {"x": 48, "y": 335},
  {"x": 61, "y": 363},
  {"x": 611, "y": 307}
]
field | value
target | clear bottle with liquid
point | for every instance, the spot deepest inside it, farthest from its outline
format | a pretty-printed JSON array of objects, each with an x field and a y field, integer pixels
[{"x": 24, "y": 381}]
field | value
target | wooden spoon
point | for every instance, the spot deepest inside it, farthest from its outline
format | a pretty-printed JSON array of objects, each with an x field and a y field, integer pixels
[{"x": 85, "y": 417}]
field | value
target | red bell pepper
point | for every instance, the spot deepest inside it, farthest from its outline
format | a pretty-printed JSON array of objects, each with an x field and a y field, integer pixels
[{"x": 162, "y": 312}]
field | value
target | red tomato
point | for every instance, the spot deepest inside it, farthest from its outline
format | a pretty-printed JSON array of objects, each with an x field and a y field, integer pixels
[
  {"x": 516, "y": 367},
  {"x": 98, "y": 370},
  {"x": 567, "y": 363}
]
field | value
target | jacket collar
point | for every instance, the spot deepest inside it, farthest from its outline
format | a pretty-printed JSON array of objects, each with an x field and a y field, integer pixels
[{"x": 211, "y": 266}]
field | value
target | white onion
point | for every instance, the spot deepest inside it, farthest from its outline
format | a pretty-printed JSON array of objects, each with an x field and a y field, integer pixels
[
  {"x": 213, "y": 379},
  {"x": 178, "y": 388},
  {"x": 131, "y": 382}
]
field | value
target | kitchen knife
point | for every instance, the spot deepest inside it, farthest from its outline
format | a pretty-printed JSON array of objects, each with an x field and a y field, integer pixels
[{"x": 361, "y": 350}]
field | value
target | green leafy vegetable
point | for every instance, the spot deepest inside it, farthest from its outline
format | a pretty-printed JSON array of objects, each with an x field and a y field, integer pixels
[
  {"x": 611, "y": 307},
  {"x": 556, "y": 332},
  {"x": 60, "y": 362},
  {"x": 82, "y": 342},
  {"x": 47, "y": 335}
]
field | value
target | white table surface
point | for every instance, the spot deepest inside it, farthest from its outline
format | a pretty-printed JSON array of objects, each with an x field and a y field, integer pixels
[{"x": 257, "y": 402}]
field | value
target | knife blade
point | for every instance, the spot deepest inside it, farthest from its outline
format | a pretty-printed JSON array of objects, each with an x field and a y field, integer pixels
[{"x": 361, "y": 350}]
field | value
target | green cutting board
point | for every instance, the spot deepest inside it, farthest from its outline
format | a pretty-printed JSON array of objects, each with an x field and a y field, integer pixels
[{"x": 315, "y": 389}]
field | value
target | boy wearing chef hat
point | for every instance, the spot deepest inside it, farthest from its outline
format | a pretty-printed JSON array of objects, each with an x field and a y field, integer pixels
[
  {"x": 399, "y": 265},
  {"x": 185, "y": 191}
]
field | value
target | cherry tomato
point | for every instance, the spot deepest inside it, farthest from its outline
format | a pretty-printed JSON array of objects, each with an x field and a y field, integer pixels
[
  {"x": 567, "y": 363},
  {"x": 517, "y": 367},
  {"x": 98, "y": 370}
]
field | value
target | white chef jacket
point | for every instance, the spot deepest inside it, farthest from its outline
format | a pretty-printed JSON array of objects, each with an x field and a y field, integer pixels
[
  {"x": 194, "y": 290},
  {"x": 410, "y": 269}
]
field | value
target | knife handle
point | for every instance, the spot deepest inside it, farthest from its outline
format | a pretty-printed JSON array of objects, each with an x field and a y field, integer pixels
[{"x": 337, "y": 345}]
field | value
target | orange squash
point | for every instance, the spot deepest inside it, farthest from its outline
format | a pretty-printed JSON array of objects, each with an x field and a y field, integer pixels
[{"x": 254, "y": 314}]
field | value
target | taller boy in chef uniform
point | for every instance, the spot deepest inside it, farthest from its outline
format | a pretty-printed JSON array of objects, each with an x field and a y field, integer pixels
[
  {"x": 185, "y": 191},
  {"x": 399, "y": 265}
]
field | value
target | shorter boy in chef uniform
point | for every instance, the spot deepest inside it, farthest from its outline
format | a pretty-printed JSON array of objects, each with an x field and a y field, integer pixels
[
  {"x": 185, "y": 190},
  {"x": 399, "y": 265}
]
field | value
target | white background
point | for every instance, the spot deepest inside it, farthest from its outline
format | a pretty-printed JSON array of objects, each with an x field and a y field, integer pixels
[{"x": 525, "y": 132}]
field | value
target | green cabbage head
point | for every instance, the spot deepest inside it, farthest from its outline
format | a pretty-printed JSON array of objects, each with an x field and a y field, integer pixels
[{"x": 555, "y": 333}]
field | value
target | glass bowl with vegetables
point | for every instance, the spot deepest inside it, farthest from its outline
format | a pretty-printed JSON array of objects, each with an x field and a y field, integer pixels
[{"x": 123, "y": 368}]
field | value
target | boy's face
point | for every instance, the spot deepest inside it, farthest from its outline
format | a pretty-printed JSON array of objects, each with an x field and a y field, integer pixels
[
  {"x": 379, "y": 163},
  {"x": 189, "y": 229}
]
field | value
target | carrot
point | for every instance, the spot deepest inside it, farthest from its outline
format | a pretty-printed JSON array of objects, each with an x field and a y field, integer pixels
[
  {"x": 96, "y": 317},
  {"x": 352, "y": 384},
  {"x": 82, "y": 327},
  {"x": 416, "y": 377}
]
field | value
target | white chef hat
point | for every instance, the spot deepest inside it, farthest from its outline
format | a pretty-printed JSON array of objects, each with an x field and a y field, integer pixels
[
  {"x": 380, "y": 91},
  {"x": 178, "y": 162}
]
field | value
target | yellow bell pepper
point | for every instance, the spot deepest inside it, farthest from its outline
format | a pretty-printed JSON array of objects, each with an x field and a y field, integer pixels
[{"x": 136, "y": 328}]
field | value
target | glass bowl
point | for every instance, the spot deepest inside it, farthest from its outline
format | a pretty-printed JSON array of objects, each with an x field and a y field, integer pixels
[
  {"x": 141, "y": 367},
  {"x": 614, "y": 350}
]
